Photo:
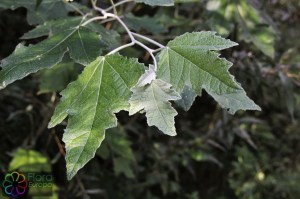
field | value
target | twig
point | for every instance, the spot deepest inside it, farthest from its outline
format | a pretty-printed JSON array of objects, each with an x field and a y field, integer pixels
[
  {"x": 150, "y": 51},
  {"x": 148, "y": 39},
  {"x": 74, "y": 7},
  {"x": 114, "y": 7},
  {"x": 118, "y": 4},
  {"x": 60, "y": 146},
  {"x": 110, "y": 16},
  {"x": 94, "y": 19},
  {"x": 120, "y": 48}
]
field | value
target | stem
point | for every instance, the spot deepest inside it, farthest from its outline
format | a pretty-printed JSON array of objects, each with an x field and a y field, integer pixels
[
  {"x": 74, "y": 7},
  {"x": 109, "y": 19},
  {"x": 158, "y": 49},
  {"x": 114, "y": 7},
  {"x": 126, "y": 28},
  {"x": 118, "y": 4},
  {"x": 148, "y": 39},
  {"x": 130, "y": 34},
  {"x": 150, "y": 51},
  {"x": 94, "y": 2},
  {"x": 120, "y": 48},
  {"x": 93, "y": 19}
]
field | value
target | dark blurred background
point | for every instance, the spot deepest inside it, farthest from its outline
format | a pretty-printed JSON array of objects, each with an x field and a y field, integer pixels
[{"x": 251, "y": 155}]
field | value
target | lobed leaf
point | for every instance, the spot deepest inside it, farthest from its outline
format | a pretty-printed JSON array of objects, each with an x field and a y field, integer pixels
[
  {"x": 154, "y": 99},
  {"x": 90, "y": 102},
  {"x": 83, "y": 46},
  {"x": 46, "y": 10},
  {"x": 53, "y": 27},
  {"x": 189, "y": 60}
]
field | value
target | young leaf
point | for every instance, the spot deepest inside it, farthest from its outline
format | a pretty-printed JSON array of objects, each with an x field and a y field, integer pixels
[
  {"x": 147, "y": 77},
  {"x": 188, "y": 60},
  {"x": 82, "y": 44},
  {"x": 91, "y": 101},
  {"x": 154, "y": 99},
  {"x": 157, "y": 2}
]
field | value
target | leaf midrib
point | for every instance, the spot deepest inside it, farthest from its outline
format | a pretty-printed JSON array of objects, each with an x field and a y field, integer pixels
[
  {"x": 225, "y": 83},
  {"x": 37, "y": 56},
  {"x": 153, "y": 95},
  {"x": 94, "y": 114}
]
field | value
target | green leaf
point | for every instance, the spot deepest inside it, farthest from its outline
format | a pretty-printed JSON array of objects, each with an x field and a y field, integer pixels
[
  {"x": 147, "y": 77},
  {"x": 29, "y": 161},
  {"x": 91, "y": 101},
  {"x": 109, "y": 38},
  {"x": 82, "y": 44},
  {"x": 154, "y": 99},
  {"x": 47, "y": 10},
  {"x": 119, "y": 143},
  {"x": 189, "y": 60},
  {"x": 122, "y": 165},
  {"x": 255, "y": 29},
  {"x": 38, "y": 3},
  {"x": 187, "y": 98},
  {"x": 53, "y": 27},
  {"x": 157, "y": 2},
  {"x": 149, "y": 24},
  {"x": 57, "y": 78},
  {"x": 116, "y": 139},
  {"x": 185, "y": 1}
]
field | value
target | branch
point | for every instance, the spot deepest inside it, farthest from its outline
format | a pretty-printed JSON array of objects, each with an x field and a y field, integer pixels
[
  {"x": 120, "y": 48},
  {"x": 111, "y": 16},
  {"x": 148, "y": 39},
  {"x": 118, "y": 4}
]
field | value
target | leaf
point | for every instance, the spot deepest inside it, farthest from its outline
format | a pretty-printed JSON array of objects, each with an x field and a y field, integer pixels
[
  {"x": 109, "y": 38},
  {"x": 189, "y": 60},
  {"x": 157, "y": 2},
  {"x": 185, "y": 1},
  {"x": 90, "y": 102},
  {"x": 122, "y": 165},
  {"x": 47, "y": 10},
  {"x": 57, "y": 78},
  {"x": 119, "y": 143},
  {"x": 255, "y": 29},
  {"x": 38, "y": 3},
  {"x": 147, "y": 77},
  {"x": 255, "y": 26},
  {"x": 116, "y": 139},
  {"x": 149, "y": 24},
  {"x": 82, "y": 44},
  {"x": 53, "y": 27},
  {"x": 154, "y": 99},
  {"x": 29, "y": 161},
  {"x": 187, "y": 98}
]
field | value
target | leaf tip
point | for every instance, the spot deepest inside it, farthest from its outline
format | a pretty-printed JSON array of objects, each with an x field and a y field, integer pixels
[
  {"x": 173, "y": 134},
  {"x": 70, "y": 175},
  {"x": 50, "y": 125},
  {"x": 3, "y": 85}
]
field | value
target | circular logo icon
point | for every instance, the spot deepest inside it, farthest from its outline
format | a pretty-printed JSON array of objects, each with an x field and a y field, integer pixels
[{"x": 15, "y": 184}]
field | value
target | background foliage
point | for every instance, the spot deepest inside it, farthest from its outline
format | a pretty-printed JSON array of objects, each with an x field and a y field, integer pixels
[{"x": 251, "y": 155}]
